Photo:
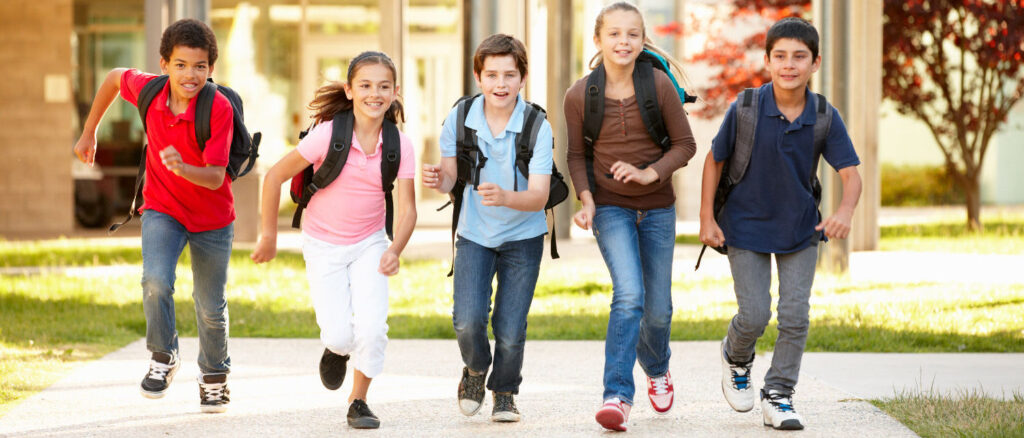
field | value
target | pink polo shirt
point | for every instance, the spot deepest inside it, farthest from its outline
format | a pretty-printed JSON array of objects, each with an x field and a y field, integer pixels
[
  {"x": 352, "y": 207},
  {"x": 195, "y": 207}
]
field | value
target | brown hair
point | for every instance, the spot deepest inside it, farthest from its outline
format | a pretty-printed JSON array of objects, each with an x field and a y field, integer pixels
[
  {"x": 500, "y": 44},
  {"x": 188, "y": 32},
  {"x": 648, "y": 44},
  {"x": 331, "y": 99}
]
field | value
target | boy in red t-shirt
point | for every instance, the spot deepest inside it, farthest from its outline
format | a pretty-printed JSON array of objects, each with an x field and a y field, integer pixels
[{"x": 187, "y": 200}]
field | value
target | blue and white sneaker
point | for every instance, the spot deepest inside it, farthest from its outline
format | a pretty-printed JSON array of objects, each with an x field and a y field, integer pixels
[
  {"x": 777, "y": 409},
  {"x": 736, "y": 383}
]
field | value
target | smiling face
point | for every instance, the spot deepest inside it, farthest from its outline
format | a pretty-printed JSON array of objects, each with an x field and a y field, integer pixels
[
  {"x": 791, "y": 64},
  {"x": 372, "y": 89},
  {"x": 500, "y": 81},
  {"x": 187, "y": 69},
  {"x": 620, "y": 38}
]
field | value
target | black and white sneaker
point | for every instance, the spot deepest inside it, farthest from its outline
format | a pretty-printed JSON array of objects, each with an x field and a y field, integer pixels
[
  {"x": 471, "y": 392},
  {"x": 213, "y": 393},
  {"x": 504, "y": 408},
  {"x": 777, "y": 409},
  {"x": 361, "y": 417},
  {"x": 332, "y": 369},
  {"x": 162, "y": 367}
]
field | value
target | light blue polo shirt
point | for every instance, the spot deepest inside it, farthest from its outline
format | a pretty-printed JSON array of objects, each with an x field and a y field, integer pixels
[{"x": 490, "y": 226}]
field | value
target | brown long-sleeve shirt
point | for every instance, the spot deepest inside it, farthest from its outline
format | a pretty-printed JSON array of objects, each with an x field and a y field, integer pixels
[{"x": 624, "y": 137}]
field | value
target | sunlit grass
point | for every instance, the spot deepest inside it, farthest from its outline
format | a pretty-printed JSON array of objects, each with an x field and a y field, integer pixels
[{"x": 960, "y": 414}]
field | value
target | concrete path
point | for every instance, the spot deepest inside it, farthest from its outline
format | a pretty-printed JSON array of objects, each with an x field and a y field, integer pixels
[{"x": 276, "y": 391}]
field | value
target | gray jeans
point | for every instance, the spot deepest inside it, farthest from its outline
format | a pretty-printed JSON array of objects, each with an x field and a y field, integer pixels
[{"x": 752, "y": 277}]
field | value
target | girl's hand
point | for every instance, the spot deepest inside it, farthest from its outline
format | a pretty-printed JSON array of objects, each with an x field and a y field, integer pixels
[
  {"x": 432, "y": 176},
  {"x": 711, "y": 234},
  {"x": 171, "y": 159},
  {"x": 388, "y": 263},
  {"x": 85, "y": 149},
  {"x": 266, "y": 250},
  {"x": 585, "y": 217},
  {"x": 624, "y": 172},
  {"x": 491, "y": 195}
]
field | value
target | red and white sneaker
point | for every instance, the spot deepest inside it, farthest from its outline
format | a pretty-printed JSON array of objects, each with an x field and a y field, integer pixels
[
  {"x": 613, "y": 415},
  {"x": 661, "y": 393}
]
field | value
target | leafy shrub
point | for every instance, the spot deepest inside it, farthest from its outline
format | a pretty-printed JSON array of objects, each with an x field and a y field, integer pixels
[{"x": 918, "y": 185}]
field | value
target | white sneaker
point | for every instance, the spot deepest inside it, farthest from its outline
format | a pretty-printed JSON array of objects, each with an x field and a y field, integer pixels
[
  {"x": 736, "y": 383},
  {"x": 777, "y": 409}
]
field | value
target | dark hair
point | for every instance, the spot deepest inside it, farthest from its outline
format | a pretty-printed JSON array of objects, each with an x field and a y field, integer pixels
[
  {"x": 501, "y": 44},
  {"x": 188, "y": 32},
  {"x": 795, "y": 28},
  {"x": 331, "y": 99}
]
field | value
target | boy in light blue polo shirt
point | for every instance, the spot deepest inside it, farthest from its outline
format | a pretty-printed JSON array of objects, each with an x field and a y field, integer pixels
[{"x": 501, "y": 226}]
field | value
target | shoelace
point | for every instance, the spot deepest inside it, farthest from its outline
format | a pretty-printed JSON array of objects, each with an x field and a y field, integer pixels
[
  {"x": 740, "y": 381},
  {"x": 660, "y": 384},
  {"x": 777, "y": 400},
  {"x": 213, "y": 391},
  {"x": 158, "y": 371}
]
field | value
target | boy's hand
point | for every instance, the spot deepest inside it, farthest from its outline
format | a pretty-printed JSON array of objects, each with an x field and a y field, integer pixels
[
  {"x": 432, "y": 176},
  {"x": 585, "y": 217},
  {"x": 711, "y": 234},
  {"x": 624, "y": 172},
  {"x": 838, "y": 225},
  {"x": 266, "y": 250},
  {"x": 491, "y": 195},
  {"x": 172, "y": 160},
  {"x": 85, "y": 149},
  {"x": 388, "y": 263}
]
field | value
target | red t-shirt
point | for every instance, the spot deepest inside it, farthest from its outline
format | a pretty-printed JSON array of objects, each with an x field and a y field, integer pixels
[{"x": 196, "y": 208}]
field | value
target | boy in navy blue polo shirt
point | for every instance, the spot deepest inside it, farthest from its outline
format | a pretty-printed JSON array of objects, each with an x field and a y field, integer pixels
[{"x": 772, "y": 210}]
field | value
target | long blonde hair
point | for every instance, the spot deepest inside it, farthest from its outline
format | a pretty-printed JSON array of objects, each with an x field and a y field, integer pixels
[{"x": 673, "y": 63}]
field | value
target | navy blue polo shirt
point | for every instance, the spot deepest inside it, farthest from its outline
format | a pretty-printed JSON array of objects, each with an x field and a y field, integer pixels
[{"x": 772, "y": 210}]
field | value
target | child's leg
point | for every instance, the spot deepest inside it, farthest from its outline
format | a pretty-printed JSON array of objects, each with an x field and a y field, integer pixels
[
  {"x": 751, "y": 277},
  {"x": 369, "y": 292},
  {"x": 163, "y": 239},
  {"x": 211, "y": 251},
  {"x": 518, "y": 266},
  {"x": 657, "y": 233},
  {"x": 474, "y": 268},
  {"x": 616, "y": 232},
  {"x": 328, "y": 276},
  {"x": 796, "y": 275}
]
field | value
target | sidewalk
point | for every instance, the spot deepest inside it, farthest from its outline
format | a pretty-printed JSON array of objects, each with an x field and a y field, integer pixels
[{"x": 276, "y": 391}]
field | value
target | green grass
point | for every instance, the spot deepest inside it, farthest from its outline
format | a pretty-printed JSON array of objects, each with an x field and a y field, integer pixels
[
  {"x": 963, "y": 414},
  {"x": 1000, "y": 236}
]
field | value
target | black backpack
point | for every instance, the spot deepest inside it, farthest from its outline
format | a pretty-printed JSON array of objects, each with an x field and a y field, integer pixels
[
  {"x": 736, "y": 166},
  {"x": 646, "y": 99},
  {"x": 305, "y": 184},
  {"x": 244, "y": 148},
  {"x": 470, "y": 160}
]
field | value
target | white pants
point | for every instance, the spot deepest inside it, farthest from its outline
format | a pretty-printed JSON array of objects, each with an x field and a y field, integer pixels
[{"x": 350, "y": 298}]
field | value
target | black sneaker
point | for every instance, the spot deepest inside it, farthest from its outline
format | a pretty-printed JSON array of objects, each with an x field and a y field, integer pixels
[
  {"x": 471, "y": 392},
  {"x": 162, "y": 367},
  {"x": 332, "y": 369},
  {"x": 361, "y": 417},
  {"x": 213, "y": 392},
  {"x": 504, "y": 408}
]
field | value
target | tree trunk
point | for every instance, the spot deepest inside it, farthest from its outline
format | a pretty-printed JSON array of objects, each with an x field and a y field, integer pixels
[{"x": 972, "y": 191}]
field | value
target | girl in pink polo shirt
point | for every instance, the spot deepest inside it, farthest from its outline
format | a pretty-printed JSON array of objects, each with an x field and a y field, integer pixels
[{"x": 348, "y": 257}]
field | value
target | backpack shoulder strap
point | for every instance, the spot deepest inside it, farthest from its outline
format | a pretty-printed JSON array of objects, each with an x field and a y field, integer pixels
[
  {"x": 391, "y": 158},
  {"x": 337, "y": 155},
  {"x": 593, "y": 117},
  {"x": 146, "y": 96},
  {"x": 822, "y": 124},
  {"x": 746, "y": 125},
  {"x": 647, "y": 100},
  {"x": 204, "y": 110},
  {"x": 148, "y": 93},
  {"x": 526, "y": 139}
]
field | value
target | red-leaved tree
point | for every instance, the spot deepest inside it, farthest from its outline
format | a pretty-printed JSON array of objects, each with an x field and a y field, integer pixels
[{"x": 956, "y": 67}]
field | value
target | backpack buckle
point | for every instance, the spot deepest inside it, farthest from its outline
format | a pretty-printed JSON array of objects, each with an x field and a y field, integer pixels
[
  {"x": 338, "y": 146},
  {"x": 392, "y": 156}
]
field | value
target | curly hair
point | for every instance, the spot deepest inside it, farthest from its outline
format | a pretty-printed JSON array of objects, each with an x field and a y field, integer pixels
[{"x": 188, "y": 32}]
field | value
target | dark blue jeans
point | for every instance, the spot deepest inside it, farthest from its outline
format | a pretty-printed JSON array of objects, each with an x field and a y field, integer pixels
[
  {"x": 637, "y": 246},
  {"x": 517, "y": 265},
  {"x": 163, "y": 240}
]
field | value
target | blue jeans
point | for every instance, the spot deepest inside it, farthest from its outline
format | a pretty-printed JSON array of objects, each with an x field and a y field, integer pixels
[
  {"x": 517, "y": 265},
  {"x": 637, "y": 246},
  {"x": 163, "y": 239}
]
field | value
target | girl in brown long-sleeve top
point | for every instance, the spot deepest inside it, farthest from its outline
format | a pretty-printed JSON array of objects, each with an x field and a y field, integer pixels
[{"x": 629, "y": 204}]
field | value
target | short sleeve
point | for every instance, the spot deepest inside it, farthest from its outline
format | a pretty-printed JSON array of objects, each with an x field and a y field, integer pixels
[
  {"x": 407, "y": 166},
  {"x": 132, "y": 81},
  {"x": 540, "y": 163},
  {"x": 447, "y": 141},
  {"x": 839, "y": 151},
  {"x": 217, "y": 151},
  {"x": 723, "y": 143},
  {"x": 313, "y": 147}
]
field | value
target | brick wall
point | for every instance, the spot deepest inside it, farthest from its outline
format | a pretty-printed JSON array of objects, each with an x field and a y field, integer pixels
[{"x": 36, "y": 136}]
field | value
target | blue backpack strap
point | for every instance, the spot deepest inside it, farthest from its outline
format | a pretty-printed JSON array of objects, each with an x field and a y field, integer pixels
[
  {"x": 593, "y": 117},
  {"x": 391, "y": 158}
]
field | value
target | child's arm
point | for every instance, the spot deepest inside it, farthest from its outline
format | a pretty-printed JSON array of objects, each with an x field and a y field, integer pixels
[
  {"x": 441, "y": 177},
  {"x": 533, "y": 199},
  {"x": 838, "y": 225},
  {"x": 85, "y": 148},
  {"x": 210, "y": 177},
  {"x": 283, "y": 170},
  {"x": 710, "y": 233},
  {"x": 405, "y": 221}
]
